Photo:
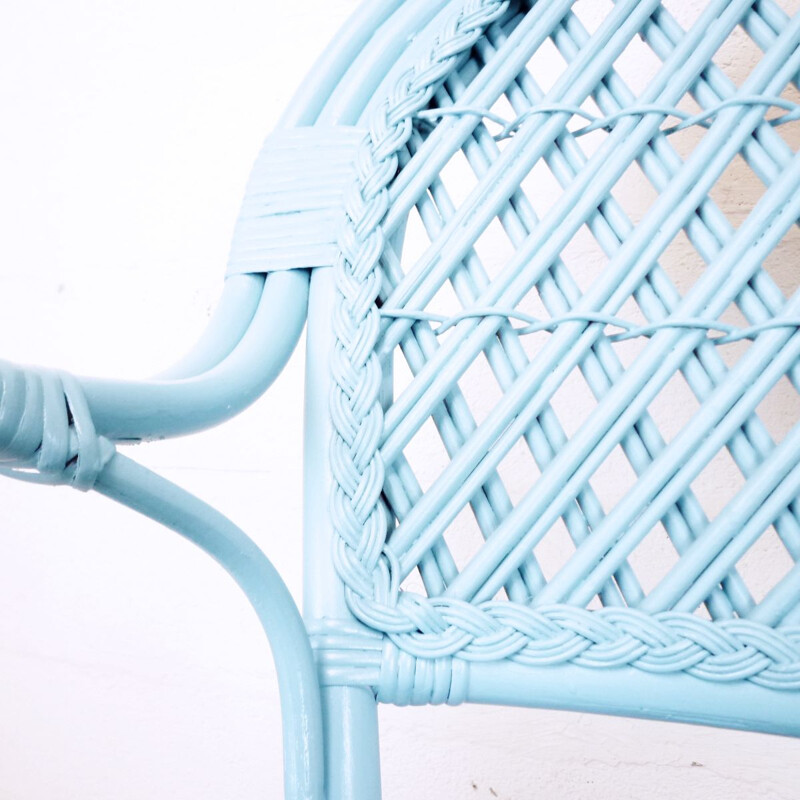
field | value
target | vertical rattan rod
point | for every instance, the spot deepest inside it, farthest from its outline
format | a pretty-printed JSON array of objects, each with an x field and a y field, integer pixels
[{"x": 132, "y": 485}]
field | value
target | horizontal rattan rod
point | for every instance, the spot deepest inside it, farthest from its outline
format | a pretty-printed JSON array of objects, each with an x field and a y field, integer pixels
[
  {"x": 571, "y": 210},
  {"x": 688, "y": 455},
  {"x": 506, "y": 358},
  {"x": 123, "y": 410},
  {"x": 782, "y": 603},
  {"x": 232, "y": 317},
  {"x": 197, "y": 402},
  {"x": 525, "y": 149},
  {"x": 620, "y": 408},
  {"x": 786, "y": 491},
  {"x": 744, "y": 387},
  {"x": 633, "y": 692}
]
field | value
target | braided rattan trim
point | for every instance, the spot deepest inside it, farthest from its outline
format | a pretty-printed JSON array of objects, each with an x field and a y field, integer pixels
[
  {"x": 664, "y": 643},
  {"x": 358, "y": 513},
  {"x": 441, "y": 628}
]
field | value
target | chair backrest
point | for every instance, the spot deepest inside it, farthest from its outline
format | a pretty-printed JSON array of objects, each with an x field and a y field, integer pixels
[
  {"x": 559, "y": 445},
  {"x": 553, "y": 437}
]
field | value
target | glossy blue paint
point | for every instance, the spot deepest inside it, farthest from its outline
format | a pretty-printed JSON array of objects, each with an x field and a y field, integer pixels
[{"x": 418, "y": 78}]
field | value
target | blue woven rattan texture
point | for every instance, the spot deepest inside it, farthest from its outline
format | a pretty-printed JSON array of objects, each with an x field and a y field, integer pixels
[{"x": 614, "y": 482}]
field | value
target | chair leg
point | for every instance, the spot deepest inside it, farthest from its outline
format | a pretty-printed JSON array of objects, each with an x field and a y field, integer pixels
[{"x": 352, "y": 757}]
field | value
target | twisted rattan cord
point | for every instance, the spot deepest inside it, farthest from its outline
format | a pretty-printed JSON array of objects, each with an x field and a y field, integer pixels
[
  {"x": 627, "y": 267},
  {"x": 508, "y": 127},
  {"x": 419, "y": 614},
  {"x": 584, "y": 194},
  {"x": 357, "y": 511},
  {"x": 630, "y": 330},
  {"x": 559, "y": 292},
  {"x": 761, "y": 298}
]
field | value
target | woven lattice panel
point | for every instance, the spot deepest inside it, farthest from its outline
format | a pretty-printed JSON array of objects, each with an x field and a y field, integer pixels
[{"x": 569, "y": 352}]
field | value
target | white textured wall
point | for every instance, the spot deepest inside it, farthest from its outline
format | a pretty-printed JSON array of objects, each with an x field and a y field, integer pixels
[{"x": 130, "y": 666}]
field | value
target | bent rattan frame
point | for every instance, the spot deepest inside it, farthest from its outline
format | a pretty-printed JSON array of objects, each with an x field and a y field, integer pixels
[{"x": 391, "y": 614}]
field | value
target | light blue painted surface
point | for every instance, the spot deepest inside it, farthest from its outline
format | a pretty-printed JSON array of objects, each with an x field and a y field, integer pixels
[{"x": 643, "y": 655}]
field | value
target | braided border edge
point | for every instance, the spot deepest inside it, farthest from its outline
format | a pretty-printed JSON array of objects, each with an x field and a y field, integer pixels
[{"x": 726, "y": 651}]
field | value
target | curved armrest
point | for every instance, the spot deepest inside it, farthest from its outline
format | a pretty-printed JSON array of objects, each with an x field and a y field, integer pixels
[
  {"x": 136, "y": 410},
  {"x": 258, "y": 320}
]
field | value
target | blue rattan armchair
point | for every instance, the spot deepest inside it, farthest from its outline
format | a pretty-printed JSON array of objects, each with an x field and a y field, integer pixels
[{"x": 515, "y": 391}]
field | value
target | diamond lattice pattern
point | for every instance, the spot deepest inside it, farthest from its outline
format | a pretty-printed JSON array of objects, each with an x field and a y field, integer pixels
[{"x": 565, "y": 461}]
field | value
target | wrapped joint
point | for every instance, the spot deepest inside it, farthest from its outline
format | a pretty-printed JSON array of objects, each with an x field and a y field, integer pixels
[
  {"x": 46, "y": 430},
  {"x": 293, "y": 208},
  {"x": 408, "y": 680}
]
